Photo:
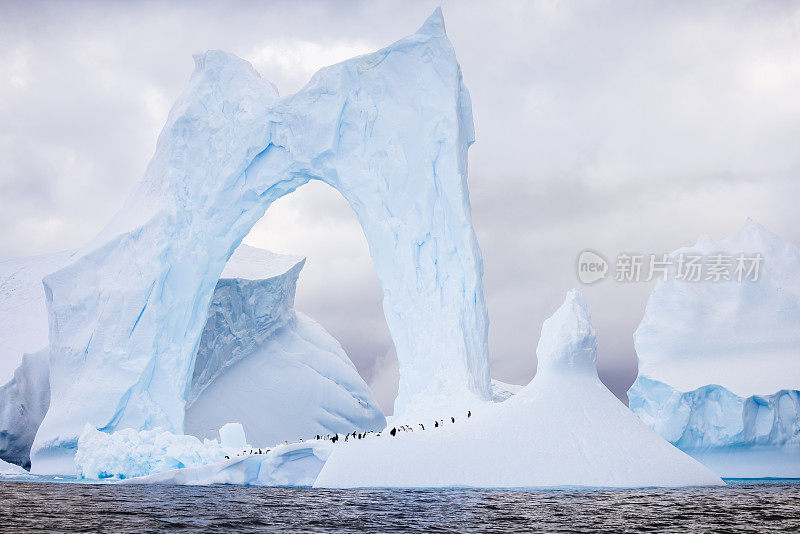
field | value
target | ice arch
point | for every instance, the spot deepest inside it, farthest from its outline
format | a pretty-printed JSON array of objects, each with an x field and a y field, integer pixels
[{"x": 389, "y": 130}]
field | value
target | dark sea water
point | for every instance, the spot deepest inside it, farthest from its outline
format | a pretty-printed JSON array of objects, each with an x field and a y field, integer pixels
[{"x": 765, "y": 506}]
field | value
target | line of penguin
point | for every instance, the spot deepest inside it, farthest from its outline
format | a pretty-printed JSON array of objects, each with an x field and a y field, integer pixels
[{"x": 357, "y": 435}]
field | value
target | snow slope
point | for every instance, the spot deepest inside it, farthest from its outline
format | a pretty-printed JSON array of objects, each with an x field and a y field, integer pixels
[
  {"x": 563, "y": 429},
  {"x": 389, "y": 130},
  {"x": 719, "y": 362},
  {"x": 23, "y": 328}
]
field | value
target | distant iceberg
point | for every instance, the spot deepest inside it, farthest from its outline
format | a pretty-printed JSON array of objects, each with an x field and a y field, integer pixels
[{"x": 719, "y": 362}]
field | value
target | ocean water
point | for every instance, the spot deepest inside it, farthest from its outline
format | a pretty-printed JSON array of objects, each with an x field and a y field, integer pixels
[{"x": 742, "y": 506}]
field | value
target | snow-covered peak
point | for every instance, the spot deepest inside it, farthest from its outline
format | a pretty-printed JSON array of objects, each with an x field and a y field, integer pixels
[
  {"x": 251, "y": 263},
  {"x": 568, "y": 340},
  {"x": 23, "y": 315}
]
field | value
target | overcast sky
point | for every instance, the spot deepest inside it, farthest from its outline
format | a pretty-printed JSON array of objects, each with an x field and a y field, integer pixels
[{"x": 616, "y": 126}]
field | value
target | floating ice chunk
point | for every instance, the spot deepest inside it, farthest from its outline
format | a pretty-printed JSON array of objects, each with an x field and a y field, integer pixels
[
  {"x": 11, "y": 470},
  {"x": 128, "y": 453},
  {"x": 160, "y": 457}
]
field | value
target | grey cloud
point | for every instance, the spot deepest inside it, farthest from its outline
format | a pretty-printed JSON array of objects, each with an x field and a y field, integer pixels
[{"x": 618, "y": 126}]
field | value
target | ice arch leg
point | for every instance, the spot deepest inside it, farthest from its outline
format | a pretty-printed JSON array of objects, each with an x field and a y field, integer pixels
[{"x": 388, "y": 130}]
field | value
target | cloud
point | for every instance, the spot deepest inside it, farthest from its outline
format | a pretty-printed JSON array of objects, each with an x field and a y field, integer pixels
[
  {"x": 617, "y": 126},
  {"x": 384, "y": 380}
]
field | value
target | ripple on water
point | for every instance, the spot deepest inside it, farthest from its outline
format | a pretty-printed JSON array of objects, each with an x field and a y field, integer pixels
[{"x": 742, "y": 506}]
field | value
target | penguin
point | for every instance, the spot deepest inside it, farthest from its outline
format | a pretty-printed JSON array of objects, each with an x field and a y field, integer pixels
[
  {"x": 469, "y": 414},
  {"x": 227, "y": 457},
  {"x": 346, "y": 436},
  {"x": 422, "y": 426},
  {"x": 393, "y": 432},
  {"x": 259, "y": 451},
  {"x": 436, "y": 424},
  {"x": 452, "y": 419}
]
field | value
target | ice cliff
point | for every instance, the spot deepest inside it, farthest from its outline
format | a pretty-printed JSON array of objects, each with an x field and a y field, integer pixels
[
  {"x": 719, "y": 362},
  {"x": 389, "y": 130}
]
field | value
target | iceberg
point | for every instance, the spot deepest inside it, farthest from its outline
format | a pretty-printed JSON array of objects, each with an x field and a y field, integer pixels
[
  {"x": 718, "y": 360},
  {"x": 389, "y": 130},
  {"x": 270, "y": 368},
  {"x": 563, "y": 429}
]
